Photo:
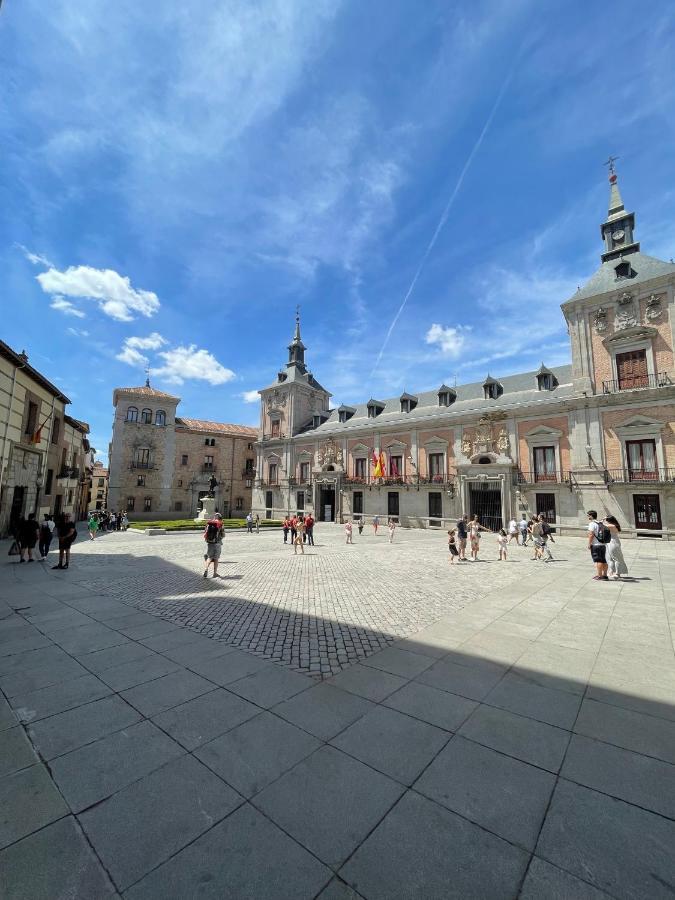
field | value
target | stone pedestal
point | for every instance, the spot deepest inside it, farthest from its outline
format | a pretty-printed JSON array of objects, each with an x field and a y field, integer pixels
[{"x": 207, "y": 510}]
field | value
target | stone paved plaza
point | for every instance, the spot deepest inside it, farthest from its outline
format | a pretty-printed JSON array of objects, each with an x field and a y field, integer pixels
[{"x": 490, "y": 731}]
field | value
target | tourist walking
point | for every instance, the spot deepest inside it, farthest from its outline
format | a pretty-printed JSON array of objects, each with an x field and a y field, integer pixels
[
  {"x": 46, "y": 534},
  {"x": 376, "y": 524},
  {"x": 285, "y": 527},
  {"x": 502, "y": 540},
  {"x": 299, "y": 533},
  {"x": 213, "y": 535},
  {"x": 513, "y": 531},
  {"x": 391, "y": 525},
  {"x": 547, "y": 538},
  {"x": 294, "y": 528},
  {"x": 66, "y": 531},
  {"x": 462, "y": 535},
  {"x": 92, "y": 525},
  {"x": 249, "y": 523},
  {"x": 309, "y": 529},
  {"x": 475, "y": 529},
  {"x": 452, "y": 546},
  {"x": 359, "y": 525},
  {"x": 125, "y": 521},
  {"x": 598, "y": 537},
  {"x": 113, "y": 523},
  {"x": 348, "y": 532},
  {"x": 523, "y": 529},
  {"x": 29, "y": 530},
  {"x": 616, "y": 564}
]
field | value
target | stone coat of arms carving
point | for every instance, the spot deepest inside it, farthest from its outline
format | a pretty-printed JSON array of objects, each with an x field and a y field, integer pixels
[
  {"x": 276, "y": 400},
  {"x": 329, "y": 453},
  {"x": 653, "y": 308},
  {"x": 626, "y": 313},
  {"x": 600, "y": 321}
]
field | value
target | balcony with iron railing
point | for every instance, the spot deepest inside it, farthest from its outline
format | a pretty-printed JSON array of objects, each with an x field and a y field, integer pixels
[
  {"x": 208, "y": 467},
  {"x": 301, "y": 482},
  {"x": 248, "y": 473},
  {"x": 524, "y": 477},
  {"x": 355, "y": 481},
  {"x": 636, "y": 383},
  {"x": 141, "y": 464},
  {"x": 274, "y": 437},
  {"x": 69, "y": 473},
  {"x": 655, "y": 475}
]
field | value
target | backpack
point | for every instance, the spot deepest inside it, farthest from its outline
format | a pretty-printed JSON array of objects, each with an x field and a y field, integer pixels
[
  {"x": 603, "y": 533},
  {"x": 212, "y": 533},
  {"x": 546, "y": 528}
]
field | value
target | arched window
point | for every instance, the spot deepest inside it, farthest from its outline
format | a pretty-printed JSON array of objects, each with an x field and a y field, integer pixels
[
  {"x": 146, "y": 417},
  {"x": 132, "y": 414},
  {"x": 160, "y": 417}
]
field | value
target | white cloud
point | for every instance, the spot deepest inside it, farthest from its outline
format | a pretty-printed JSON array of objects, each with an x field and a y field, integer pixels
[
  {"x": 250, "y": 396},
  {"x": 113, "y": 292},
  {"x": 66, "y": 307},
  {"x": 35, "y": 258},
  {"x": 183, "y": 363},
  {"x": 450, "y": 340},
  {"x": 77, "y": 332},
  {"x": 132, "y": 357},
  {"x": 152, "y": 342}
]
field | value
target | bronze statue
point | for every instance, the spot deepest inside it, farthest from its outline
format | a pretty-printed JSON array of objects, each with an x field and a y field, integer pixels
[{"x": 213, "y": 484}]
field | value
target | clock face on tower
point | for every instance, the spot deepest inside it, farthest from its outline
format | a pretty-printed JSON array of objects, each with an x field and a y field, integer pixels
[{"x": 617, "y": 236}]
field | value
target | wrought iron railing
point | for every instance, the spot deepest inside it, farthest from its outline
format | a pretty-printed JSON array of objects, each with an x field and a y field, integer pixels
[
  {"x": 141, "y": 464},
  {"x": 639, "y": 476},
  {"x": 248, "y": 473},
  {"x": 394, "y": 480},
  {"x": 523, "y": 477},
  {"x": 636, "y": 382},
  {"x": 69, "y": 472},
  {"x": 209, "y": 467},
  {"x": 274, "y": 437}
]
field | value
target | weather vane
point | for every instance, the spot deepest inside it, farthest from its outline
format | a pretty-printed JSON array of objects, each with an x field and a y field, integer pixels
[
  {"x": 610, "y": 162},
  {"x": 147, "y": 376}
]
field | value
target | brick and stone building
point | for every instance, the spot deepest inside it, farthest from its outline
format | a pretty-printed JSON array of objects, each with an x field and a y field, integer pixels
[
  {"x": 98, "y": 495},
  {"x": 598, "y": 433},
  {"x": 45, "y": 456},
  {"x": 161, "y": 464}
]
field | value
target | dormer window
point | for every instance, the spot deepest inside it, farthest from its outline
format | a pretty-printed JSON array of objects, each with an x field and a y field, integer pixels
[
  {"x": 546, "y": 380},
  {"x": 345, "y": 413},
  {"x": 375, "y": 407},
  {"x": 492, "y": 389},
  {"x": 282, "y": 376},
  {"x": 408, "y": 402},
  {"x": 622, "y": 271},
  {"x": 446, "y": 395},
  {"x": 316, "y": 421}
]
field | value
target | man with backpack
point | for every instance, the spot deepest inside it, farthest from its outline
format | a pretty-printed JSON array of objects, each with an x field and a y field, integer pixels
[
  {"x": 213, "y": 535},
  {"x": 598, "y": 537},
  {"x": 546, "y": 536}
]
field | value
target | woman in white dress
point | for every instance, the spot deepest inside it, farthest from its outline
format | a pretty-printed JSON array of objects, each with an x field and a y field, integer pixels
[{"x": 616, "y": 564}]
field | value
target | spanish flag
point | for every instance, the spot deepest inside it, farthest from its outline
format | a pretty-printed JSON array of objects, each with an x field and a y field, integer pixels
[{"x": 379, "y": 466}]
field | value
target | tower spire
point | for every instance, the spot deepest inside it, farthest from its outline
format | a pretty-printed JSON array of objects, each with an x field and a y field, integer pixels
[
  {"x": 296, "y": 336},
  {"x": 296, "y": 349},
  {"x": 617, "y": 229}
]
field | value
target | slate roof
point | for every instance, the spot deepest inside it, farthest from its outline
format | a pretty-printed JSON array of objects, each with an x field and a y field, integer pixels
[
  {"x": 604, "y": 280},
  {"x": 216, "y": 427},
  {"x": 518, "y": 389},
  {"x": 145, "y": 391}
]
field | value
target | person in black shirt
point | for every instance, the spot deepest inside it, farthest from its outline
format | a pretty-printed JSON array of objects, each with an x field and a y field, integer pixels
[
  {"x": 28, "y": 535},
  {"x": 461, "y": 536},
  {"x": 67, "y": 533}
]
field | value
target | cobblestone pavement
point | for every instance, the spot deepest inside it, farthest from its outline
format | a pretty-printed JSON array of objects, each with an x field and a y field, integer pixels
[{"x": 316, "y": 612}]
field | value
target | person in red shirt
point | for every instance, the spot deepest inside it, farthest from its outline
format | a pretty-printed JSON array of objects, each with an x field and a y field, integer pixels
[
  {"x": 294, "y": 528},
  {"x": 309, "y": 529}
]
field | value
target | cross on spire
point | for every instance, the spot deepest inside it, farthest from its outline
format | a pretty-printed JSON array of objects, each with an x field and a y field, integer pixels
[{"x": 610, "y": 162}]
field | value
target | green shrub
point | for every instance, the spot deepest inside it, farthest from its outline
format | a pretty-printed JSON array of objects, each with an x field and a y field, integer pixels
[{"x": 191, "y": 525}]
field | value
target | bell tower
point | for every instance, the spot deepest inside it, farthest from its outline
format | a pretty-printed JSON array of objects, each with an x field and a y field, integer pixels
[
  {"x": 617, "y": 229},
  {"x": 296, "y": 349}
]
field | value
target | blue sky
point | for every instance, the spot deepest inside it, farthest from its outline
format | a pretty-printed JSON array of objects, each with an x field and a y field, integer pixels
[{"x": 176, "y": 177}]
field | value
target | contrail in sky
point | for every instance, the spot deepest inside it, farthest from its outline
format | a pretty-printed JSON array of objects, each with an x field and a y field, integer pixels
[{"x": 446, "y": 213}]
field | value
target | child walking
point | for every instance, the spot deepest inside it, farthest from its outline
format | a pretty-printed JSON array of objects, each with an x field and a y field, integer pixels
[
  {"x": 502, "y": 541},
  {"x": 452, "y": 546},
  {"x": 360, "y": 526},
  {"x": 391, "y": 525},
  {"x": 348, "y": 532}
]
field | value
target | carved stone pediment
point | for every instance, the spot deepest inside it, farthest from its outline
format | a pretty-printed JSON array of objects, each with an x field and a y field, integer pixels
[
  {"x": 329, "y": 453},
  {"x": 629, "y": 334}
]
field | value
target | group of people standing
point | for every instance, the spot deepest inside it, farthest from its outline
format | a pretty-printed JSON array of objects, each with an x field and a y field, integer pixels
[
  {"x": 470, "y": 532},
  {"x": 300, "y": 529},
  {"x": 29, "y": 533},
  {"x": 102, "y": 520},
  {"x": 360, "y": 524}
]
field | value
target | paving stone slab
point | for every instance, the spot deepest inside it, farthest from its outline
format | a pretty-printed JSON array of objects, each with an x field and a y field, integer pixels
[
  {"x": 163, "y": 693},
  {"x": 228, "y": 667},
  {"x": 59, "y": 697},
  {"x": 270, "y": 685},
  {"x": 473, "y": 682},
  {"x": 367, "y": 682},
  {"x": 520, "y": 694},
  {"x": 32, "y": 659},
  {"x": 85, "y": 724},
  {"x": 198, "y": 650},
  {"x": 16, "y": 751},
  {"x": 8, "y": 718},
  {"x": 255, "y": 753},
  {"x": 246, "y": 857},
  {"x": 534, "y": 742},
  {"x": 504, "y": 795},
  {"x": 55, "y": 863},
  {"x": 420, "y": 850},
  {"x": 392, "y": 743},
  {"x": 139, "y": 671},
  {"x": 338, "y": 890},
  {"x": 625, "y": 728},
  {"x": 100, "y": 660},
  {"x": 42, "y": 676},
  {"x": 167, "y": 640},
  {"x": 405, "y": 663},
  {"x": 31, "y": 640},
  {"x": 546, "y": 881},
  {"x": 168, "y": 809},
  {"x": 439, "y": 708},
  {"x": 323, "y": 710},
  {"x": 329, "y": 803},
  {"x": 28, "y": 801},
  {"x": 96, "y": 771},
  {"x": 638, "y": 779},
  {"x": 620, "y": 849},
  {"x": 149, "y": 629},
  {"x": 206, "y": 717},
  {"x": 88, "y": 638}
]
